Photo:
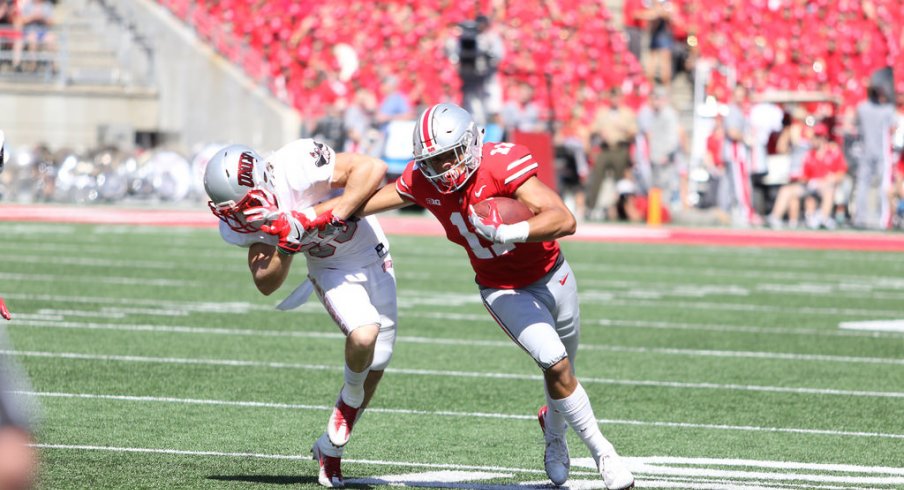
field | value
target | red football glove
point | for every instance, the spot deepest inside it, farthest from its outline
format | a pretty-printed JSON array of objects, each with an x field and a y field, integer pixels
[
  {"x": 290, "y": 228},
  {"x": 3, "y": 311},
  {"x": 325, "y": 220},
  {"x": 260, "y": 205}
]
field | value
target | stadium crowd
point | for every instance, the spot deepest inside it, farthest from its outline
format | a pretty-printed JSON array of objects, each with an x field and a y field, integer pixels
[
  {"x": 26, "y": 31},
  {"x": 352, "y": 68},
  {"x": 359, "y": 71}
]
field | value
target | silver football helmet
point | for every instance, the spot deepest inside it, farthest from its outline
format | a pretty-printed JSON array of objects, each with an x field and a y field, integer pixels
[
  {"x": 447, "y": 146},
  {"x": 228, "y": 179}
]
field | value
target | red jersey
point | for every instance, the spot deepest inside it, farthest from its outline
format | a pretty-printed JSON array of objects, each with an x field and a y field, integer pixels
[
  {"x": 714, "y": 144},
  {"x": 817, "y": 165},
  {"x": 503, "y": 168},
  {"x": 630, "y": 9}
]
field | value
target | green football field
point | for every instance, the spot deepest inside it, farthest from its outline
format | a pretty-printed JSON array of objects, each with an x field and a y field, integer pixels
[{"x": 157, "y": 364}]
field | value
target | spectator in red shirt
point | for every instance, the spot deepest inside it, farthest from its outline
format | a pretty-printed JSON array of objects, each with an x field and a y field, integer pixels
[
  {"x": 635, "y": 20},
  {"x": 824, "y": 168}
]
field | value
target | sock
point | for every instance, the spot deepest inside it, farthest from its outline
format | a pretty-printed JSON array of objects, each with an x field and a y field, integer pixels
[
  {"x": 353, "y": 390},
  {"x": 555, "y": 422},
  {"x": 576, "y": 409}
]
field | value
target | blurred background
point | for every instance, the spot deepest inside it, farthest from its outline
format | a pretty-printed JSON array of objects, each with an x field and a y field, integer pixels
[{"x": 773, "y": 113}]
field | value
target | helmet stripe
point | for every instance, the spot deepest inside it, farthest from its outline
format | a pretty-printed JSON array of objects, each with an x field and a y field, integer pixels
[{"x": 425, "y": 128}]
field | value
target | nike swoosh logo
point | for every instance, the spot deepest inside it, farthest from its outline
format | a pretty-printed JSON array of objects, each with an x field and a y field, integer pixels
[
  {"x": 562, "y": 282},
  {"x": 479, "y": 191}
]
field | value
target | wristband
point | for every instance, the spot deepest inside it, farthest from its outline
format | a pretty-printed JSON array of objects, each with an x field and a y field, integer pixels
[{"x": 514, "y": 233}]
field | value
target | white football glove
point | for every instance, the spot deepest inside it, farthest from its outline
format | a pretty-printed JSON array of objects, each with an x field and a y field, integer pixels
[{"x": 493, "y": 229}]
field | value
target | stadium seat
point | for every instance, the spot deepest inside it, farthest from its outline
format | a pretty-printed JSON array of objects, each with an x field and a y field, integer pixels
[{"x": 408, "y": 41}]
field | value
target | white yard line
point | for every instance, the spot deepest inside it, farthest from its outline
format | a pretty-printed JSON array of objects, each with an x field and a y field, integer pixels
[
  {"x": 622, "y": 289},
  {"x": 844, "y": 290},
  {"x": 410, "y": 299},
  {"x": 896, "y": 326},
  {"x": 169, "y": 259},
  {"x": 449, "y": 413},
  {"x": 44, "y": 323},
  {"x": 245, "y": 307},
  {"x": 727, "y": 271},
  {"x": 107, "y": 262},
  {"x": 453, "y": 374},
  {"x": 658, "y": 325},
  {"x": 670, "y": 476},
  {"x": 176, "y": 250},
  {"x": 114, "y": 280},
  {"x": 757, "y": 256},
  {"x": 744, "y": 307},
  {"x": 191, "y": 306},
  {"x": 754, "y": 463}
]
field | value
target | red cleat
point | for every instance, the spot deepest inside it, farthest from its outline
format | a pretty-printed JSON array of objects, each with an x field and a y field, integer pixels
[
  {"x": 330, "y": 468},
  {"x": 3, "y": 311}
]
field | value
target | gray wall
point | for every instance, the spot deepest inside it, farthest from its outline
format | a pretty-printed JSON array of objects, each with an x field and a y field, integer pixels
[
  {"x": 203, "y": 98},
  {"x": 71, "y": 117},
  {"x": 196, "y": 97}
]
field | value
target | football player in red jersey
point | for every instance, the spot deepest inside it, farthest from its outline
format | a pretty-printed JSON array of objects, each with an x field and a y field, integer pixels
[{"x": 519, "y": 266}]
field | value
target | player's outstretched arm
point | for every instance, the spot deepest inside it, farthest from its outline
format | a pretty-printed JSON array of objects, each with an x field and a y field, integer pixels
[
  {"x": 360, "y": 176},
  {"x": 552, "y": 218},
  {"x": 386, "y": 199},
  {"x": 268, "y": 268}
]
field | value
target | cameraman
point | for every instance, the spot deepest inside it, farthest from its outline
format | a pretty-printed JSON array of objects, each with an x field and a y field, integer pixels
[{"x": 477, "y": 51}]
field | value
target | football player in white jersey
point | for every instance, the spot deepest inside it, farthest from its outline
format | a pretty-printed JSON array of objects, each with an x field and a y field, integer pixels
[{"x": 266, "y": 205}]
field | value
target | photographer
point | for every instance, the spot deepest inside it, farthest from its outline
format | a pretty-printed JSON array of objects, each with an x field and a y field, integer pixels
[{"x": 477, "y": 51}]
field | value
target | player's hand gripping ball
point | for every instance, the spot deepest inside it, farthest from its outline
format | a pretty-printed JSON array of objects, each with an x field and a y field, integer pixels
[
  {"x": 508, "y": 210},
  {"x": 492, "y": 216}
]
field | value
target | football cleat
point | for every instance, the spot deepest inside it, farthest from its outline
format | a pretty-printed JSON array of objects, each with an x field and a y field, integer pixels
[
  {"x": 339, "y": 427},
  {"x": 330, "y": 468},
  {"x": 615, "y": 473},
  {"x": 555, "y": 459}
]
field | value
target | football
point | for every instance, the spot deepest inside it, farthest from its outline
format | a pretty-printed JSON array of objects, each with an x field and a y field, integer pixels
[{"x": 510, "y": 210}]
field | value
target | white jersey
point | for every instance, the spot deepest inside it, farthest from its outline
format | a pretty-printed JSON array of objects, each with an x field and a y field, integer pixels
[{"x": 302, "y": 171}]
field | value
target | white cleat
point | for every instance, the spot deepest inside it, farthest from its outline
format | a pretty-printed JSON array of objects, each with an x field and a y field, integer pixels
[
  {"x": 330, "y": 474},
  {"x": 615, "y": 473},
  {"x": 555, "y": 459}
]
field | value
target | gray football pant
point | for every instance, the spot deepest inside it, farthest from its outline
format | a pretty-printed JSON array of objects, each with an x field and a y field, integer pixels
[{"x": 543, "y": 318}]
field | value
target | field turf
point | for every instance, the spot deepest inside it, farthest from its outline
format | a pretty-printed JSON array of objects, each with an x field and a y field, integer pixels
[{"x": 157, "y": 364}]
